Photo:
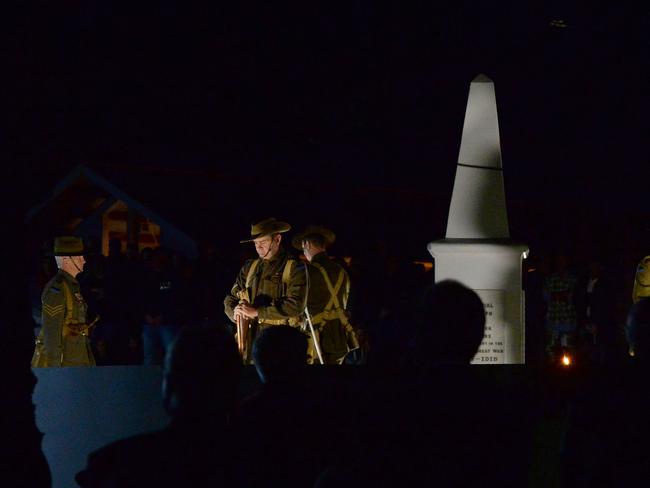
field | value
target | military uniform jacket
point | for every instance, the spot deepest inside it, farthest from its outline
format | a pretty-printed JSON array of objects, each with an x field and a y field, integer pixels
[
  {"x": 277, "y": 301},
  {"x": 327, "y": 303},
  {"x": 62, "y": 340}
]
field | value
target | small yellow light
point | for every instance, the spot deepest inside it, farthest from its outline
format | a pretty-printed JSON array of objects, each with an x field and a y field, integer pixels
[{"x": 566, "y": 360}]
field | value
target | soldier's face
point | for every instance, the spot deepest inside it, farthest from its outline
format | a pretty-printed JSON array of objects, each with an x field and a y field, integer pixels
[
  {"x": 74, "y": 264},
  {"x": 267, "y": 246},
  {"x": 78, "y": 261}
]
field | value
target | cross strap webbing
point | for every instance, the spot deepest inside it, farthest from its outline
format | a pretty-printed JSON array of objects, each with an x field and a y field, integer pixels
[
  {"x": 333, "y": 309},
  {"x": 251, "y": 272}
]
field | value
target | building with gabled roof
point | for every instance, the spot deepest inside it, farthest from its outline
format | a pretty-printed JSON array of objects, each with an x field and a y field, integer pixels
[{"x": 87, "y": 203}]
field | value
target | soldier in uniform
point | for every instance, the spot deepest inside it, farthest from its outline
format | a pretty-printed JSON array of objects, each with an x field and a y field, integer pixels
[
  {"x": 63, "y": 338},
  {"x": 329, "y": 289},
  {"x": 270, "y": 290}
]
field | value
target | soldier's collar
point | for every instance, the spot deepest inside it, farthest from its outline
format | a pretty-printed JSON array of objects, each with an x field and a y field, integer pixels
[
  {"x": 67, "y": 276},
  {"x": 321, "y": 256},
  {"x": 279, "y": 255}
]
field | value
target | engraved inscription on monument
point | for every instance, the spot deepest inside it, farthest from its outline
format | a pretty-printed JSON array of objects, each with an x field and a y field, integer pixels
[{"x": 492, "y": 348}]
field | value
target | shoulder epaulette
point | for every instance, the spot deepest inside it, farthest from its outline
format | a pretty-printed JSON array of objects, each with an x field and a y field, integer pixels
[
  {"x": 288, "y": 266},
  {"x": 54, "y": 285}
]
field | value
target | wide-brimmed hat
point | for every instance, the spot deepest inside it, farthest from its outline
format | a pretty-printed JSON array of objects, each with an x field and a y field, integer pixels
[
  {"x": 313, "y": 230},
  {"x": 68, "y": 246},
  {"x": 267, "y": 227}
]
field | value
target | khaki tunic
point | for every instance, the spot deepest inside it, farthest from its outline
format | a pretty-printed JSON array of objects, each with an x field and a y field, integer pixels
[
  {"x": 62, "y": 340},
  {"x": 330, "y": 318},
  {"x": 276, "y": 302}
]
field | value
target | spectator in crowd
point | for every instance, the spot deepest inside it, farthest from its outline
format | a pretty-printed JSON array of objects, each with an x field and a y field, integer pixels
[
  {"x": 596, "y": 311},
  {"x": 134, "y": 272},
  {"x": 384, "y": 289},
  {"x": 284, "y": 430},
  {"x": 160, "y": 304},
  {"x": 207, "y": 276},
  {"x": 605, "y": 441},
  {"x": 190, "y": 298},
  {"x": 200, "y": 382},
  {"x": 118, "y": 290},
  {"x": 535, "y": 273},
  {"x": 450, "y": 321},
  {"x": 440, "y": 422},
  {"x": 559, "y": 295}
]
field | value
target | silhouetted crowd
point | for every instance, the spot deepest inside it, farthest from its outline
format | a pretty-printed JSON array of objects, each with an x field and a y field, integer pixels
[
  {"x": 578, "y": 305},
  {"x": 428, "y": 420}
]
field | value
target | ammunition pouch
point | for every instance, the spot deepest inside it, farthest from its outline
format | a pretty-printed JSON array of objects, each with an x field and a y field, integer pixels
[{"x": 336, "y": 314}]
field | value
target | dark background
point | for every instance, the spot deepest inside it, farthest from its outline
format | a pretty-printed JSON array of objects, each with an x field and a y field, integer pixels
[{"x": 363, "y": 104}]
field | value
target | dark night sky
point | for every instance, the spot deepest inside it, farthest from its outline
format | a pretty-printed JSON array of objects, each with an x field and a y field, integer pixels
[{"x": 374, "y": 96}]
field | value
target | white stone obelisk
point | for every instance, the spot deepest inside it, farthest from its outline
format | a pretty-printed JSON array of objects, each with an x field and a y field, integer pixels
[{"x": 477, "y": 250}]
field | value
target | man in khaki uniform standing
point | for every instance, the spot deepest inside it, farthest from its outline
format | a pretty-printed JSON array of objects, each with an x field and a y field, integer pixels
[
  {"x": 329, "y": 289},
  {"x": 63, "y": 338},
  {"x": 270, "y": 290}
]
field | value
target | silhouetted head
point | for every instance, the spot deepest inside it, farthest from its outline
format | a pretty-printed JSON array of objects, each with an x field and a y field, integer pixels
[
  {"x": 451, "y": 321},
  {"x": 313, "y": 240},
  {"x": 202, "y": 371},
  {"x": 280, "y": 354},
  {"x": 637, "y": 329}
]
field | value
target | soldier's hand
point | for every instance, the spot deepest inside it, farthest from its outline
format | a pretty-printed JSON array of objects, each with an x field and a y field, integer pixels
[{"x": 246, "y": 310}]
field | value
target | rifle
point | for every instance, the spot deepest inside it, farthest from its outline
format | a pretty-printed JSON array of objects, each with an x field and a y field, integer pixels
[
  {"x": 314, "y": 336},
  {"x": 243, "y": 325}
]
